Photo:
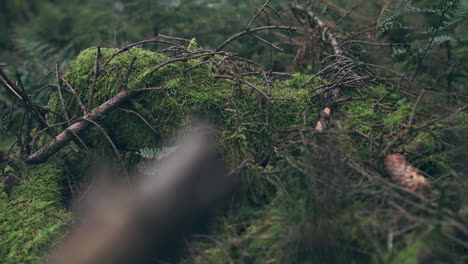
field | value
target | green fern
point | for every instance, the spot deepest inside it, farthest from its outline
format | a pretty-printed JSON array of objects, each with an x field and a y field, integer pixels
[
  {"x": 454, "y": 13},
  {"x": 444, "y": 39},
  {"x": 157, "y": 153},
  {"x": 433, "y": 36}
]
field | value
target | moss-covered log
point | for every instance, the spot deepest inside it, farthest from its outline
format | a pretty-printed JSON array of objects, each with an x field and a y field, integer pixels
[{"x": 305, "y": 195}]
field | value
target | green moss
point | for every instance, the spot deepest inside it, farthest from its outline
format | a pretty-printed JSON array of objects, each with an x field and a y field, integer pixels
[
  {"x": 380, "y": 111},
  {"x": 297, "y": 80},
  {"x": 33, "y": 217},
  {"x": 275, "y": 214},
  {"x": 247, "y": 119},
  {"x": 409, "y": 255}
]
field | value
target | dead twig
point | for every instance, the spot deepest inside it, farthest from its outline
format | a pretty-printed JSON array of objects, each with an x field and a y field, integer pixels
[
  {"x": 247, "y": 83},
  {"x": 421, "y": 93},
  {"x": 190, "y": 56},
  {"x": 258, "y": 13},
  {"x": 95, "y": 77},
  {"x": 70, "y": 90},
  {"x": 139, "y": 116},
  {"x": 267, "y": 42},
  {"x": 250, "y": 30},
  {"x": 66, "y": 135},
  {"x": 114, "y": 148}
]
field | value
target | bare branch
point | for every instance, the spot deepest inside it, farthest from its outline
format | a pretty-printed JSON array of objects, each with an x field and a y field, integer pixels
[
  {"x": 66, "y": 135},
  {"x": 257, "y": 13},
  {"x": 248, "y": 31}
]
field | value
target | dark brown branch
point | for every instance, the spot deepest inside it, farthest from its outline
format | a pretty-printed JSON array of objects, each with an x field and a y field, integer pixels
[
  {"x": 139, "y": 116},
  {"x": 66, "y": 136}
]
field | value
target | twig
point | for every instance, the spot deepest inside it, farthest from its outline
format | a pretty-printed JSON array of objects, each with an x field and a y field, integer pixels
[
  {"x": 142, "y": 118},
  {"x": 432, "y": 40},
  {"x": 125, "y": 48},
  {"x": 421, "y": 93},
  {"x": 7, "y": 85},
  {"x": 247, "y": 83},
  {"x": 173, "y": 38},
  {"x": 331, "y": 37},
  {"x": 29, "y": 104},
  {"x": 244, "y": 164},
  {"x": 240, "y": 34},
  {"x": 66, "y": 135},
  {"x": 129, "y": 70},
  {"x": 71, "y": 90},
  {"x": 344, "y": 11},
  {"x": 348, "y": 12},
  {"x": 184, "y": 58},
  {"x": 59, "y": 92},
  {"x": 95, "y": 76},
  {"x": 257, "y": 13},
  {"x": 266, "y": 42},
  {"x": 116, "y": 151}
]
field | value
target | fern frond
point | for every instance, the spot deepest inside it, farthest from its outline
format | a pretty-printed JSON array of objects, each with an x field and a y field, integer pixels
[
  {"x": 442, "y": 39},
  {"x": 156, "y": 153}
]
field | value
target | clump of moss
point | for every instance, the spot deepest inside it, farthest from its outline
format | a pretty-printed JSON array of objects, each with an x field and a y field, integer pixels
[
  {"x": 250, "y": 123},
  {"x": 33, "y": 215}
]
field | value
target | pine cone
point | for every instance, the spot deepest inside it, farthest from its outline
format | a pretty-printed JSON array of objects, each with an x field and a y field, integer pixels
[{"x": 405, "y": 174}]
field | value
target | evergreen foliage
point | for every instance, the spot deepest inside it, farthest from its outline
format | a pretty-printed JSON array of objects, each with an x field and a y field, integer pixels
[{"x": 434, "y": 36}]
